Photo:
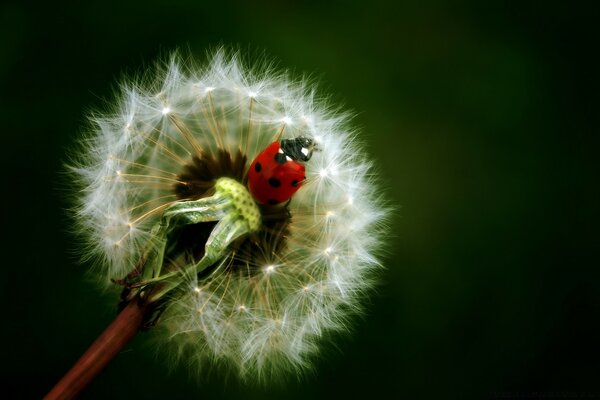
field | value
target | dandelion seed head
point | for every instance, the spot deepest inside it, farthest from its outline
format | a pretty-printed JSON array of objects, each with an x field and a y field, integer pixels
[{"x": 264, "y": 310}]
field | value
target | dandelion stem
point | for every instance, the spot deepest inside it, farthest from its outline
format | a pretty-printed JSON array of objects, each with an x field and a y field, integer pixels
[{"x": 100, "y": 353}]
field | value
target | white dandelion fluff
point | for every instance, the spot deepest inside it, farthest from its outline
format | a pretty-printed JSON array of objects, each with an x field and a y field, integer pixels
[{"x": 173, "y": 144}]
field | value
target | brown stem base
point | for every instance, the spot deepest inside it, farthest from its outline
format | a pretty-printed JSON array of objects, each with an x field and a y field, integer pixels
[{"x": 100, "y": 353}]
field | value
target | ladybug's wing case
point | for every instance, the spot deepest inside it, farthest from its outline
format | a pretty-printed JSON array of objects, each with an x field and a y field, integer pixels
[
  {"x": 272, "y": 181},
  {"x": 260, "y": 171},
  {"x": 290, "y": 176}
]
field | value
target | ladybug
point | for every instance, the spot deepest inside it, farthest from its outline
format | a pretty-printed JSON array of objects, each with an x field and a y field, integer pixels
[{"x": 276, "y": 173}]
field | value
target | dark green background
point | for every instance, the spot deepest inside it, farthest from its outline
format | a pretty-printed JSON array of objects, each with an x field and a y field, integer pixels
[{"x": 482, "y": 117}]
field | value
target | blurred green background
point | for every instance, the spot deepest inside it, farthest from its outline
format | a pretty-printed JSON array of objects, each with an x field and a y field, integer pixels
[{"x": 482, "y": 117}]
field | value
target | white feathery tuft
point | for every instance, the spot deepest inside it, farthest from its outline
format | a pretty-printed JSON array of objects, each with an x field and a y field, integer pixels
[{"x": 270, "y": 321}]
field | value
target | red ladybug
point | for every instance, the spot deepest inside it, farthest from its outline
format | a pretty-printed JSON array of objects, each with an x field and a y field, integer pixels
[{"x": 276, "y": 173}]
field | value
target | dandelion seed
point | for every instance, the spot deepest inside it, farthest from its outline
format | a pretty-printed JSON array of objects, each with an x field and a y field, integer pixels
[
  {"x": 269, "y": 269},
  {"x": 179, "y": 185}
]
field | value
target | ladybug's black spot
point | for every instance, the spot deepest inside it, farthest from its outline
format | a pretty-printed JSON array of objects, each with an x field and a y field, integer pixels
[
  {"x": 274, "y": 182},
  {"x": 257, "y": 167},
  {"x": 280, "y": 158},
  {"x": 295, "y": 182},
  {"x": 273, "y": 202}
]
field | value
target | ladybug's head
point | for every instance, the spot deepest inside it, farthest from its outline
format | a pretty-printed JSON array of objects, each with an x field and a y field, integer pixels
[{"x": 298, "y": 149}]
